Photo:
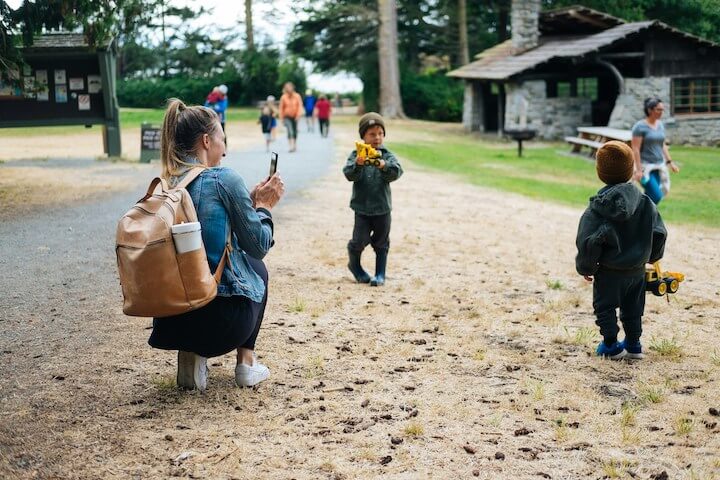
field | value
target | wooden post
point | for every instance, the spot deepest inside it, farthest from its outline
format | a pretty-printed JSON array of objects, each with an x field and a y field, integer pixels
[{"x": 111, "y": 128}]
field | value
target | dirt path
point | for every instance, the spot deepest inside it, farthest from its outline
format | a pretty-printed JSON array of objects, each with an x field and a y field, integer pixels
[{"x": 473, "y": 361}]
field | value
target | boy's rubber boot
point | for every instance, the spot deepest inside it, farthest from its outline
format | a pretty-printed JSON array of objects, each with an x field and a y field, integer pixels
[
  {"x": 361, "y": 276},
  {"x": 380, "y": 264}
]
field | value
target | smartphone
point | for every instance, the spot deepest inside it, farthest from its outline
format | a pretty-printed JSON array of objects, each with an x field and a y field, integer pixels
[{"x": 273, "y": 163}]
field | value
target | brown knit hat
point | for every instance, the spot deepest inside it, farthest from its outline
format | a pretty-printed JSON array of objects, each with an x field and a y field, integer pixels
[
  {"x": 370, "y": 119},
  {"x": 614, "y": 162}
]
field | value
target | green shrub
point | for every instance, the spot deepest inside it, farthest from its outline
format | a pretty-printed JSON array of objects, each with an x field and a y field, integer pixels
[
  {"x": 154, "y": 92},
  {"x": 251, "y": 76},
  {"x": 432, "y": 96}
]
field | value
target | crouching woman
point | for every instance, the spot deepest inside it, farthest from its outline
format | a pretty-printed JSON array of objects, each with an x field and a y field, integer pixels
[{"x": 227, "y": 211}]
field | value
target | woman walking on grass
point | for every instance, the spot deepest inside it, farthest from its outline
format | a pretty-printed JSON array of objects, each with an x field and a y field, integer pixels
[{"x": 650, "y": 151}]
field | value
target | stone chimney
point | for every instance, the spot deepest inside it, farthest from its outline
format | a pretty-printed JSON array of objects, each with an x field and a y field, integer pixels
[{"x": 525, "y": 16}]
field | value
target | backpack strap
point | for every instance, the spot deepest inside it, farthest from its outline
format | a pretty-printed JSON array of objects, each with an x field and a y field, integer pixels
[
  {"x": 192, "y": 174},
  {"x": 226, "y": 256},
  {"x": 189, "y": 177},
  {"x": 153, "y": 185},
  {"x": 221, "y": 266}
]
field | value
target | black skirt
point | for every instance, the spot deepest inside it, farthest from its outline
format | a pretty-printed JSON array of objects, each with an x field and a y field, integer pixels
[{"x": 219, "y": 327}]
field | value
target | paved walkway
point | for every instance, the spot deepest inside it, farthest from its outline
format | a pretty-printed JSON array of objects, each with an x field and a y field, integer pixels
[{"x": 298, "y": 169}]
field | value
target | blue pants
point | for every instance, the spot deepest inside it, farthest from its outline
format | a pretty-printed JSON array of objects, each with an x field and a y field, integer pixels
[{"x": 652, "y": 187}]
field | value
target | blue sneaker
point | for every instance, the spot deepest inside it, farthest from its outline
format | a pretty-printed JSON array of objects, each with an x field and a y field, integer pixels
[
  {"x": 634, "y": 351},
  {"x": 615, "y": 352}
]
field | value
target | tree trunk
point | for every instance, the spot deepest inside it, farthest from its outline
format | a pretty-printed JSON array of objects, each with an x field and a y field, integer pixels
[
  {"x": 390, "y": 100},
  {"x": 462, "y": 25},
  {"x": 249, "y": 25},
  {"x": 164, "y": 41}
]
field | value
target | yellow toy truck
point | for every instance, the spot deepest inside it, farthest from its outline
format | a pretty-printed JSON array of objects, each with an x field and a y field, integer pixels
[
  {"x": 662, "y": 283},
  {"x": 371, "y": 156}
]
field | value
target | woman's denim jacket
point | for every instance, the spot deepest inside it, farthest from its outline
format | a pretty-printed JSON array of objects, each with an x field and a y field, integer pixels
[{"x": 223, "y": 204}]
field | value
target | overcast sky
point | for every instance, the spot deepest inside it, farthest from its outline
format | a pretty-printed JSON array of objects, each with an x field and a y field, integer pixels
[{"x": 273, "y": 20}]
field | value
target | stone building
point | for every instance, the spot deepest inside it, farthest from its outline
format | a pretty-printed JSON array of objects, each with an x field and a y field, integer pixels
[{"x": 577, "y": 66}]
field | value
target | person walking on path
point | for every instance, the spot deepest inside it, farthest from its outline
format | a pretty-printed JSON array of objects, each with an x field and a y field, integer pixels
[
  {"x": 218, "y": 101},
  {"x": 322, "y": 110},
  {"x": 371, "y": 200},
  {"x": 290, "y": 110},
  {"x": 309, "y": 104},
  {"x": 270, "y": 102},
  {"x": 651, "y": 153},
  {"x": 227, "y": 212},
  {"x": 266, "y": 122}
]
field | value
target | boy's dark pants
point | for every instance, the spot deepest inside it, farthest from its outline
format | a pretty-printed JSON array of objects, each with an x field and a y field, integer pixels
[
  {"x": 324, "y": 126},
  {"x": 613, "y": 290},
  {"x": 370, "y": 230}
]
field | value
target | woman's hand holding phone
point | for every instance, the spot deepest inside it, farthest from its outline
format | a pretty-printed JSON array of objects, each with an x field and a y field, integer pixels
[{"x": 268, "y": 193}]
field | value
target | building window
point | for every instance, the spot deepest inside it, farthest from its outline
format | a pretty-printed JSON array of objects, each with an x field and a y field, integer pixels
[
  {"x": 695, "y": 95},
  {"x": 576, "y": 87},
  {"x": 564, "y": 89},
  {"x": 587, "y": 87}
]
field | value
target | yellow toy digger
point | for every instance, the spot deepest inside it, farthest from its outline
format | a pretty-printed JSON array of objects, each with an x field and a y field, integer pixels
[
  {"x": 662, "y": 283},
  {"x": 371, "y": 156}
]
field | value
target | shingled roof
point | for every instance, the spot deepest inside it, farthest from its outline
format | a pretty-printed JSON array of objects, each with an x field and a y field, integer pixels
[
  {"x": 503, "y": 61},
  {"x": 576, "y": 19},
  {"x": 61, "y": 41}
]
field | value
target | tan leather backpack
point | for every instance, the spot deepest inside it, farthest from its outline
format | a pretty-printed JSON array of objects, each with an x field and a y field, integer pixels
[{"x": 156, "y": 281}]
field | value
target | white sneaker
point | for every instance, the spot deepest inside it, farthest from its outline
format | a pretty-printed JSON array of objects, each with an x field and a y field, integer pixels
[
  {"x": 192, "y": 371},
  {"x": 251, "y": 375}
]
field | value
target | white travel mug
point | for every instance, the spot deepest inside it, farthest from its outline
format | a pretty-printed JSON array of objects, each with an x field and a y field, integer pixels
[{"x": 187, "y": 237}]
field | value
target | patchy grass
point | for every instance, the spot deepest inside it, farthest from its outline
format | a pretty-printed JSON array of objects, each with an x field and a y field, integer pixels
[
  {"x": 628, "y": 412},
  {"x": 582, "y": 336},
  {"x": 298, "y": 305},
  {"x": 666, "y": 347},
  {"x": 546, "y": 171},
  {"x": 129, "y": 118},
  {"x": 615, "y": 468},
  {"x": 133, "y": 117},
  {"x": 414, "y": 429},
  {"x": 651, "y": 393},
  {"x": 683, "y": 425},
  {"x": 314, "y": 367},
  {"x": 165, "y": 383},
  {"x": 715, "y": 358}
]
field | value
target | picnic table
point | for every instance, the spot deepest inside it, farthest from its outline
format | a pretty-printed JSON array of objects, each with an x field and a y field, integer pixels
[{"x": 594, "y": 137}]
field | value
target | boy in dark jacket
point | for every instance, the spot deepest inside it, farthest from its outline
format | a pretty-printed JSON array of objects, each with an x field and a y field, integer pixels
[
  {"x": 371, "y": 200},
  {"x": 618, "y": 234}
]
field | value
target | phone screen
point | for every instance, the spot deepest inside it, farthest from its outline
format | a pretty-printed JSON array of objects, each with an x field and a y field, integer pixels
[{"x": 273, "y": 163}]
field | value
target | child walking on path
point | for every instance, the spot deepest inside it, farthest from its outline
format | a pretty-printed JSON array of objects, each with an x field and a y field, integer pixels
[
  {"x": 371, "y": 200},
  {"x": 620, "y": 232},
  {"x": 309, "y": 104},
  {"x": 322, "y": 109},
  {"x": 266, "y": 123}
]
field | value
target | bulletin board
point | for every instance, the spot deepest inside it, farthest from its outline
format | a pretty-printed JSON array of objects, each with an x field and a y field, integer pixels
[
  {"x": 64, "y": 81},
  {"x": 55, "y": 90}
]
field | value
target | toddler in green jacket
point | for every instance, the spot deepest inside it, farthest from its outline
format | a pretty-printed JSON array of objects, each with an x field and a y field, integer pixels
[
  {"x": 371, "y": 200},
  {"x": 618, "y": 234}
]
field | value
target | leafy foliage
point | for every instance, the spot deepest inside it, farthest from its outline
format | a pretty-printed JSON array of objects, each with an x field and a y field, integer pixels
[{"x": 432, "y": 96}]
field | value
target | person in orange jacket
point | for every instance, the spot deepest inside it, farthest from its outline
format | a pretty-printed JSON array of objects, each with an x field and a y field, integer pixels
[{"x": 291, "y": 108}]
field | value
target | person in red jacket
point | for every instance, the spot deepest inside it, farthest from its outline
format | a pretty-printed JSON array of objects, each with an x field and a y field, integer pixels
[{"x": 322, "y": 111}]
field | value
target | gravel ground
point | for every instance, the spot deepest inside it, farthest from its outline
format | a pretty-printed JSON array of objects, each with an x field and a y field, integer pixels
[{"x": 475, "y": 360}]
